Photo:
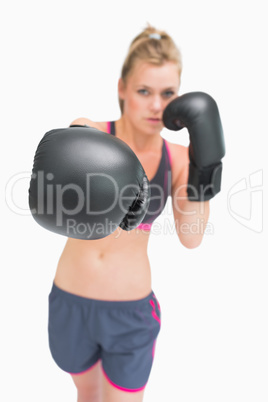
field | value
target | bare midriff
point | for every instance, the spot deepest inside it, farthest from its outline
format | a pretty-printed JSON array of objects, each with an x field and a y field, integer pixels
[{"x": 113, "y": 268}]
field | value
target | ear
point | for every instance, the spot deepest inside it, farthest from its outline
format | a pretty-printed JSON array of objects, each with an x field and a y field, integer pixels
[{"x": 121, "y": 89}]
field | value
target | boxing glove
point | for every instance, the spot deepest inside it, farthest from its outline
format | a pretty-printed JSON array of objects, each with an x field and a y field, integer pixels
[
  {"x": 198, "y": 112},
  {"x": 85, "y": 183}
]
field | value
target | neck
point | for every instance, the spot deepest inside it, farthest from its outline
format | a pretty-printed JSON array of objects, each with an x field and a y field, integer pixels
[{"x": 137, "y": 140}]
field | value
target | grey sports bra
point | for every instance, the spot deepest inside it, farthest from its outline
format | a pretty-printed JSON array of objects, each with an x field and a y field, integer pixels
[{"x": 160, "y": 185}]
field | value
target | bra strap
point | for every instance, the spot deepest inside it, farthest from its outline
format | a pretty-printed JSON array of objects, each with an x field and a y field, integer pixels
[{"x": 111, "y": 127}]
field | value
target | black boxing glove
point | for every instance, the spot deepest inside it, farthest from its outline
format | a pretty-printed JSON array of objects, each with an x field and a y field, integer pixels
[
  {"x": 198, "y": 112},
  {"x": 85, "y": 183}
]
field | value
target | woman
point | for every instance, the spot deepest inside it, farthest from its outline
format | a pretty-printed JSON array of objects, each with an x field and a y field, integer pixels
[{"x": 104, "y": 317}]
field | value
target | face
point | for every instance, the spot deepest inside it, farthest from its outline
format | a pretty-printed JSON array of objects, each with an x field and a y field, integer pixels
[{"x": 147, "y": 92}]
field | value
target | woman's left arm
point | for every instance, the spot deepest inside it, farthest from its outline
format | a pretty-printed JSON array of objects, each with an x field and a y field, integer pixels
[{"x": 190, "y": 217}]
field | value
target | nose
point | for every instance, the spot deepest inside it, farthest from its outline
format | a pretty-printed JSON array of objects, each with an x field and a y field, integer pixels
[{"x": 156, "y": 104}]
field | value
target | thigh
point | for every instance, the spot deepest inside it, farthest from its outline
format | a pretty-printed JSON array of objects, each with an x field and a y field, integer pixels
[
  {"x": 112, "y": 394},
  {"x": 90, "y": 381}
]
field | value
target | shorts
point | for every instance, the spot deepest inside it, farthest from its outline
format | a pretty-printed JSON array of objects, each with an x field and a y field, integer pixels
[{"x": 122, "y": 334}]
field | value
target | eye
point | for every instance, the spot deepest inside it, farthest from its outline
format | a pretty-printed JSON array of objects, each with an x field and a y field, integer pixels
[
  {"x": 168, "y": 94},
  {"x": 143, "y": 91}
]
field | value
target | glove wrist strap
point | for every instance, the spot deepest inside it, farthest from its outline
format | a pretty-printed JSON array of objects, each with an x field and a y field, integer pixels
[{"x": 204, "y": 183}]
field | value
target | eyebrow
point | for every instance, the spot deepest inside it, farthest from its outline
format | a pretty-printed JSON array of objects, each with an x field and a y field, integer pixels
[{"x": 165, "y": 89}]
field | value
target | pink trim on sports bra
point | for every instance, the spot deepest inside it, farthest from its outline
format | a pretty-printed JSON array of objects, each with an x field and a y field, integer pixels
[
  {"x": 169, "y": 154},
  {"x": 145, "y": 226}
]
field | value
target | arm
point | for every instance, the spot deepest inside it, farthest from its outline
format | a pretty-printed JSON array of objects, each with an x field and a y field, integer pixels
[
  {"x": 199, "y": 179},
  {"x": 83, "y": 121},
  {"x": 190, "y": 216}
]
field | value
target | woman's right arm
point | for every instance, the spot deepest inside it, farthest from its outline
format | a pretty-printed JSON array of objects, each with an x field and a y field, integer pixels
[{"x": 83, "y": 121}]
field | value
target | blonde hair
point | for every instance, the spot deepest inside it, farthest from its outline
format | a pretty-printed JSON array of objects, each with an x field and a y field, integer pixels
[{"x": 151, "y": 46}]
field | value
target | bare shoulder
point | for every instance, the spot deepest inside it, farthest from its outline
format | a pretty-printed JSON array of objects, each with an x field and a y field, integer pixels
[
  {"x": 179, "y": 160},
  {"x": 84, "y": 121}
]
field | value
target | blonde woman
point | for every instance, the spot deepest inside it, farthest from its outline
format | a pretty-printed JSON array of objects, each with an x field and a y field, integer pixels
[{"x": 104, "y": 317}]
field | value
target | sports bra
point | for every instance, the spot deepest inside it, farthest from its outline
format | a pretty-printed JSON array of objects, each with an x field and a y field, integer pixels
[{"x": 160, "y": 185}]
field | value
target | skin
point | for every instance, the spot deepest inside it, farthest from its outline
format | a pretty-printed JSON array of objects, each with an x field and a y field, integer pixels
[{"x": 117, "y": 267}]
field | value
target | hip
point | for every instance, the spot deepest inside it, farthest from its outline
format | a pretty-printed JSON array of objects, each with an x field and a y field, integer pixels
[{"x": 105, "y": 280}]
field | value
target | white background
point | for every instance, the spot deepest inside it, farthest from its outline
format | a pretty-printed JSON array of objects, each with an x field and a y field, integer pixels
[{"x": 61, "y": 60}]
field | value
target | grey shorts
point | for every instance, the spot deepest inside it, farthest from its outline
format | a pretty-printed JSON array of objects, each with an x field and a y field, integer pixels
[{"x": 122, "y": 334}]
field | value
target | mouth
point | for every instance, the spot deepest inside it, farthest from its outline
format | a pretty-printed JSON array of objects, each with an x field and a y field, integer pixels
[{"x": 154, "y": 120}]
